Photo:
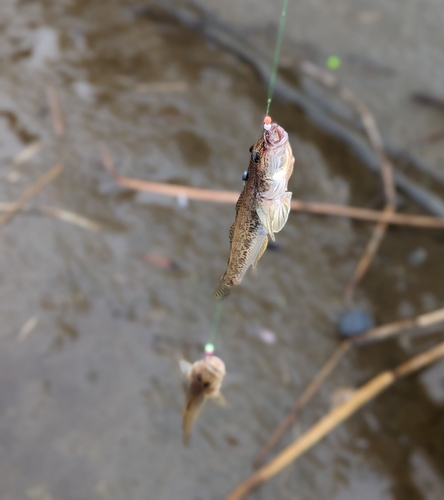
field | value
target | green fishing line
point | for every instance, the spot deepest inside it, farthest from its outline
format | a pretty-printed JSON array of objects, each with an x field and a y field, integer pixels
[
  {"x": 209, "y": 347},
  {"x": 277, "y": 51}
]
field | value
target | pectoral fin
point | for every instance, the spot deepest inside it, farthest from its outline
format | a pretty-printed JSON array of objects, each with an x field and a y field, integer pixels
[
  {"x": 265, "y": 216},
  {"x": 273, "y": 214},
  {"x": 261, "y": 251},
  {"x": 282, "y": 212}
]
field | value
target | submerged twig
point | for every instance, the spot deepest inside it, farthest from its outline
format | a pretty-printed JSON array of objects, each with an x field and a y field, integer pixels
[
  {"x": 58, "y": 213},
  {"x": 374, "y": 137},
  {"x": 27, "y": 328},
  {"x": 217, "y": 196},
  {"x": 56, "y": 111},
  {"x": 27, "y": 153},
  {"x": 369, "y": 254},
  {"x": 31, "y": 192},
  {"x": 420, "y": 324},
  {"x": 305, "y": 397},
  {"x": 335, "y": 417}
]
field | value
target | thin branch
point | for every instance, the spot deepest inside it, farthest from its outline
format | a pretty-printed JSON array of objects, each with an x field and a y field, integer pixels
[
  {"x": 335, "y": 417},
  {"x": 56, "y": 111},
  {"x": 58, "y": 213},
  {"x": 31, "y": 192},
  {"x": 296, "y": 205},
  {"x": 27, "y": 153},
  {"x": 300, "y": 403},
  {"x": 368, "y": 255},
  {"x": 375, "y": 139},
  {"x": 420, "y": 324}
]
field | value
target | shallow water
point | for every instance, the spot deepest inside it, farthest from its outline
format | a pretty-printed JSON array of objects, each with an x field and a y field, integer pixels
[{"x": 90, "y": 405}]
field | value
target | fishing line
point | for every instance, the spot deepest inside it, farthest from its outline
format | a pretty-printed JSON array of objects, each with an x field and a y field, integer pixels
[
  {"x": 277, "y": 51},
  {"x": 209, "y": 346}
]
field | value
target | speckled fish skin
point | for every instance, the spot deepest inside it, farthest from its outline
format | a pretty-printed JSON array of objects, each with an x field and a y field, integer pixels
[
  {"x": 263, "y": 206},
  {"x": 205, "y": 376}
]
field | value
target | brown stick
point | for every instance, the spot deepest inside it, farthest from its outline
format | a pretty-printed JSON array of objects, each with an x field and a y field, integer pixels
[
  {"x": 423, "y": 323},
  {"x": 56, "y": 111},
  {"x": 369, "y": 254},
  {"x": 31, "y": 192},
  {"x": 300, "y": 403},
  {"x": 27, "y": 153},
  {"x": 296, "y": 205},
  {"x": 58, "y": 213},
  {"x": 375, "y": 139},
  {"x": 335, "y": 417}
]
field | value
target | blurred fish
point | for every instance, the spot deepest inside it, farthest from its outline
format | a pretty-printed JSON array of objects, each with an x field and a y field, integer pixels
[
  {"x": 263, "y": 206},
  {"x": 205, "y": 376}
]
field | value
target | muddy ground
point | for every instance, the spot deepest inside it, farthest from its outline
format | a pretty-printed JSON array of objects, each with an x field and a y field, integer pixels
[{"x": 90, "y": 399}]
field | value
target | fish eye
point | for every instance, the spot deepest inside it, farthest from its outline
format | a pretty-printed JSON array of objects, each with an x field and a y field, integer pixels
[
  {"x": 206, "y": 385},
  {"x": 251, "y": 149},
  {"x": 255, "y": 156},
  {"x": 245, "y": 175}
]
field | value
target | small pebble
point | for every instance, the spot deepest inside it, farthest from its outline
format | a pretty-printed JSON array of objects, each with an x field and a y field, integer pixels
[
  {"x": 417, "y": 257},
  {"x": 354, "y": 322},
  {"x": 267, "y": 336}
]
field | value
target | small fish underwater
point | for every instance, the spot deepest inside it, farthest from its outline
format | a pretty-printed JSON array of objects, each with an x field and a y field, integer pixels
[
  {"x": 205, "y": 377},
  {"x": 263, "y": 206}
]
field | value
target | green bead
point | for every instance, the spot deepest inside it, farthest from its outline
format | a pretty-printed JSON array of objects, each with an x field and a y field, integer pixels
[
  {"x": 334, "y": 62},
  {"x": 209, "y": 348}
]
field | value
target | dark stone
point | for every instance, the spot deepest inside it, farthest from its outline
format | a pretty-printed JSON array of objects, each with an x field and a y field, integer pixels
[{"x": 354, "y": 322}]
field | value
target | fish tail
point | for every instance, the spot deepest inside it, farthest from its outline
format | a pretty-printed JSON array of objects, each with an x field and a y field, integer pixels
[{"x": 221, "y": 291}]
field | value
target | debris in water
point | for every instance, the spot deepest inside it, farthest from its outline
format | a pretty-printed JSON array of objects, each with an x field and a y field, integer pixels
[
  {"x": 27, "y": 153},
  {"x": 267, "y": 336},
  {"x": 161, "y": 261},
  {"x": 417, "y": 257},
  {"x": 27, "y": 328}
]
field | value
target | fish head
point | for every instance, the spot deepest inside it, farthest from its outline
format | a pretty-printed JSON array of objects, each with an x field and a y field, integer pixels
[
  {"x": 272, "y": 153},
  {"x": 205, "y": 381},
  {"x": 207, "y": 374}
]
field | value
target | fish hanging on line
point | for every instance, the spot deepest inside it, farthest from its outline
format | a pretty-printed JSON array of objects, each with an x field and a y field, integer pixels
[
  {"x": 263, "y": 206},
  {"x": 205, "y": 376}
]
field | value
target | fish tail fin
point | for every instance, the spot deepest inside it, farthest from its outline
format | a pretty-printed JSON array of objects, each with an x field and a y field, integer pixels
[{"x": 221, "y": 291}]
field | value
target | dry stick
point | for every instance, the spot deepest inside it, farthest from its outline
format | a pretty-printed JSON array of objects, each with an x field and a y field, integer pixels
[
  {"x": 369, "y": 254},
  {"x": 423, "y": 323},
  {"x": 296, "y": 205},
  {"x": 305, "y": 397},
  {"x": 375, "y": 139},
  {"x": 336, "y": 416},
  {"x": 58, "y": 213},
  {"x": 27, "y": 153},
  {"x": 31, "y": 192},
  {"x": 56, "y": 112}
]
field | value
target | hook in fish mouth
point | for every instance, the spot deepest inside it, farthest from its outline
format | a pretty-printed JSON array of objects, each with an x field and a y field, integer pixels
[{"x": 276, "y": 135}]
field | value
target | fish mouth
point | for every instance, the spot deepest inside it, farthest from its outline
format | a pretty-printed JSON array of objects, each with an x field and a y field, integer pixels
[{"x": 275, "y": 136}]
